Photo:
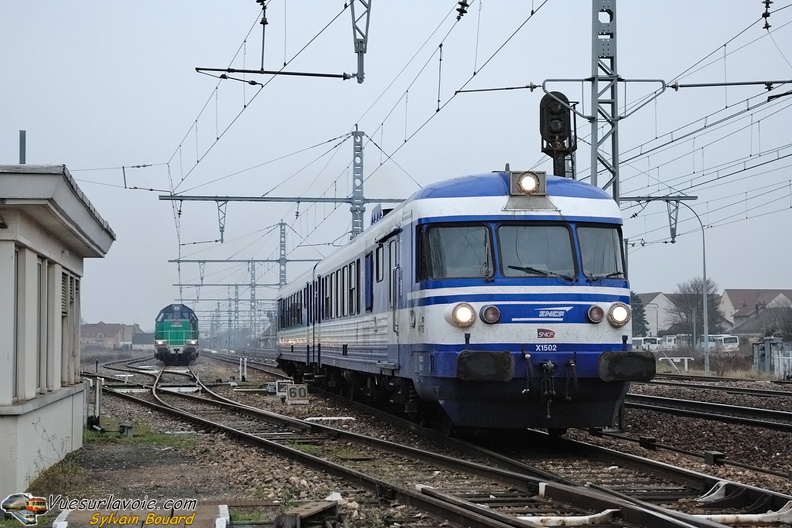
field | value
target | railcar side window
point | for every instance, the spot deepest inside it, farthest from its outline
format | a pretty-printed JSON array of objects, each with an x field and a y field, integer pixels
[
  {"x": 380, "y": 262},
  {"x": 601, "y": 251},
  {"x": 369, "y": 295},
  {"x": 536, "y": 250},
  {"x": 447, "y": 252}
]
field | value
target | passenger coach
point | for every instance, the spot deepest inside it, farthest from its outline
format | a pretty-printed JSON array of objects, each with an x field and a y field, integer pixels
[{"x": 496, "y": 300}]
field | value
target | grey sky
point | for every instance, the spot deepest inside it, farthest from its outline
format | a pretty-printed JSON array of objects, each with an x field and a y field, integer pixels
[{"x": 104, "y": 85}]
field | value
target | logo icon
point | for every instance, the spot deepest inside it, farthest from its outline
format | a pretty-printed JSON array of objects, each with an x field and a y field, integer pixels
[
  {"x": 545, "y": 333},
  {"x": 24, "y": 507}
]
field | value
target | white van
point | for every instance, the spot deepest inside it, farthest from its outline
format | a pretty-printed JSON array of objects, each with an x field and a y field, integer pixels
[
  {"x": 724, "y": 342},
  {"x": 646, "y": 343}
]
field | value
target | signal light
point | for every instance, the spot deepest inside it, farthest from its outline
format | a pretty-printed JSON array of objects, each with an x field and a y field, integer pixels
[
  {"x": 555, "y": 124},
  {"x": 557, "y": 130}
]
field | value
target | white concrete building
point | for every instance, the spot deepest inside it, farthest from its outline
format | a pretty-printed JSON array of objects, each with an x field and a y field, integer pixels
[{"x": 47, "y": 228}]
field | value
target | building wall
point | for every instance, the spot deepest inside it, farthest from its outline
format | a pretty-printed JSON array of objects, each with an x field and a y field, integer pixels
[
  {"x": 657, "y": 314},
  {"x": 42, "y": 432},
  {"x": 39, "y": 343}
]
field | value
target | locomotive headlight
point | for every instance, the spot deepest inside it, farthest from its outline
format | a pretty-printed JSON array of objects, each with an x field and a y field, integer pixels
[
  {"x": 160, "y": 341},
  {"x": 463, "y": 315},
  {"x": 489, "y": 314},
  {"x": 619, "y": 314},
  {"x": 596, "y": 314},
  {"x": 192, "y": 342}
]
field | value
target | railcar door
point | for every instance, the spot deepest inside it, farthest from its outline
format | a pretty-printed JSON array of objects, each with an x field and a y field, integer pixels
[{"x": 394, "y": 296}]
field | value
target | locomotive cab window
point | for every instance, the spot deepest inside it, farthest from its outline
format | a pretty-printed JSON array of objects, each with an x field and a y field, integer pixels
[
  {"x": 536, "y": 250},
  {"x": 601, "y": 252},
  {"x": 454, "y": 251}
]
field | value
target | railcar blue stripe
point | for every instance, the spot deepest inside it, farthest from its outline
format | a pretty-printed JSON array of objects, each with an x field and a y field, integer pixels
[
  {"x": 529, "y": 346},
  {"x": 524, "y": 298},
  {"x": 526, "y": 283}
]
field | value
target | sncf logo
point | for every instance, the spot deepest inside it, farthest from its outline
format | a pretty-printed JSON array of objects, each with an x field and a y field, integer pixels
[{"x": 544, "y": 333}]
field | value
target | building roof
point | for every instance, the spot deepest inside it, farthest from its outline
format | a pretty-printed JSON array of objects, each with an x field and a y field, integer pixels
[
  {"x": 748, "y": 298},
  {"x": 766, "y": 319},
  {"x": 647, "y": 298},
  {"x": 106, "y": 329},
  {"x": 49, "y": 195}
]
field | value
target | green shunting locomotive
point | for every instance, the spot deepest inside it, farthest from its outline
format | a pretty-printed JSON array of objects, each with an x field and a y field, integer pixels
[{"x": 176, "y": 335}]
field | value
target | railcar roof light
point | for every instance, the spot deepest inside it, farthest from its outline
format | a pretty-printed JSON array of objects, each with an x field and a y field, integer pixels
[
  {"x": 463, "y": 315},
  {"x": 527, "y": 183},
  {"x": 619, "y": 314}
]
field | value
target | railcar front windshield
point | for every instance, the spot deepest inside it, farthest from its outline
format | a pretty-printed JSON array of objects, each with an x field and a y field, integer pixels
[
  {"x": 536, "y": 250},
  {"x": 455, "y": 251},
  {"x": 600, "y": 252}
]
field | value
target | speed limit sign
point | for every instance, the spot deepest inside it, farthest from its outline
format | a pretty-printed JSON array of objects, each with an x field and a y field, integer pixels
[{"x": 297, "y": 394}]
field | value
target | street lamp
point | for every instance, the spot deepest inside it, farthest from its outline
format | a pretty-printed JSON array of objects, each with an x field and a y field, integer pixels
[
  {"x": 704, "y": 288},
  {"x": 657, "y": 316}
]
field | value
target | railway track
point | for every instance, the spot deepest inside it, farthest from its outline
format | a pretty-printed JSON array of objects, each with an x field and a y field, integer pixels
[{"x": 496, "y": 490}]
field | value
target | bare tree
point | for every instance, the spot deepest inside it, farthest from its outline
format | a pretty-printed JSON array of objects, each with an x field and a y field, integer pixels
[
  {"x": 686, "y": 312},
  {"x": 779, "y": 320}
]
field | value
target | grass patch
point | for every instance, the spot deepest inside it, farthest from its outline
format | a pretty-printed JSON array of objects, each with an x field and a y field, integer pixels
[
  {"x": 66, "y": 474},
  {"x": 142, "y": 434},
  {"x": 308, "y": 449},
  {"x": 244, "y": 514}
]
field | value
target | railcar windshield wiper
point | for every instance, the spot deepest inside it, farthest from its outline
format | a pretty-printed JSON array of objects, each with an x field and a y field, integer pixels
[
  {"x": 544, "y": 273},
  {"x": 592, "y": 278}
]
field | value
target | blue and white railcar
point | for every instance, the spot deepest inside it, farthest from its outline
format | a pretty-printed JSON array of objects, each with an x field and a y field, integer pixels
[{"x": 500, "y": 300}]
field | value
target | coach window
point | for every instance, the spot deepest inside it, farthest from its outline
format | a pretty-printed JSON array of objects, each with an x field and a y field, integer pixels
[
  {"x": 536, "y": 251},
  {"x": 353, "y": 280},
  {"x": 380, "y": 264},
  {"x": 337, "y": 293},
  {"x": 343, "y": 291},
  {"x": 367, "y": 281},
  {"x": 307, "y": 305},
  {"x": 454, "y": 251},
  {"x": 600, "y": 251}
]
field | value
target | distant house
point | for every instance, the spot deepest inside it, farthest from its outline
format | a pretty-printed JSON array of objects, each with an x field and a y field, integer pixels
[
  {"x": 657, "y": 306},
  {"x": 108, "y": 335},
  {"x": 739, "y": 305},
  {"x": 770, "y": 321}
]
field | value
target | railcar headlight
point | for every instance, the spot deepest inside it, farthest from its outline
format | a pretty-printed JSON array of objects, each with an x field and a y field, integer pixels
[
  {"x": 489, "y": 314},
  {"x": 463, "y": 315},
  {"x": 596, "y": 314},
  {"x": 527, "y": 183},
  {"x": 619, "y": 314}
]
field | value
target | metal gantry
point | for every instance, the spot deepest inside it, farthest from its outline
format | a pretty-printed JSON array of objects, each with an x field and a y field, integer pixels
[{"x": 604, "y": 96}]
